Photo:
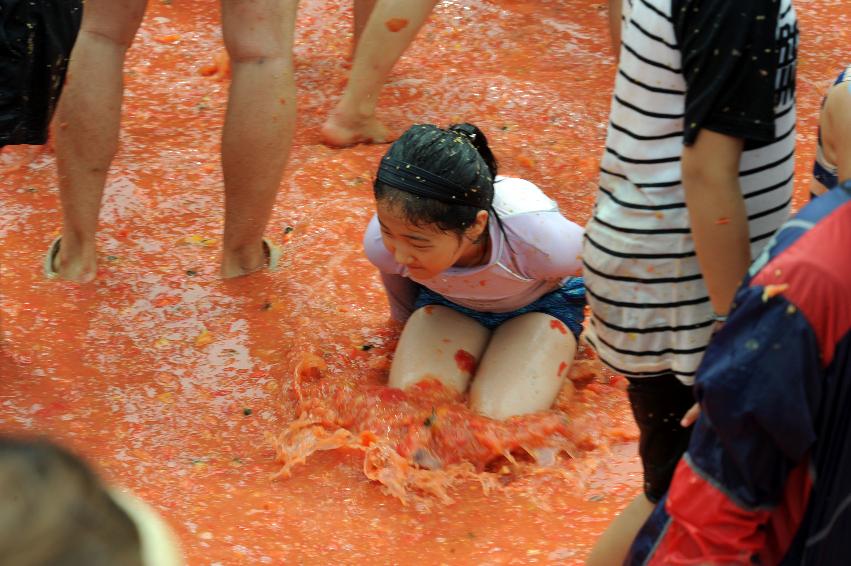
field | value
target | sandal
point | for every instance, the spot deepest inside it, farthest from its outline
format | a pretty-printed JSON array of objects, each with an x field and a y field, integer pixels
[
  {"x": 50, "y": 259},
  {"x": 273, "y": 254}
]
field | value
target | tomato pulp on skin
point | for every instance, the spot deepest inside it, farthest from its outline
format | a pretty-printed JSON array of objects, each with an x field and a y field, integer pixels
[{"x": 169, "y": 380}]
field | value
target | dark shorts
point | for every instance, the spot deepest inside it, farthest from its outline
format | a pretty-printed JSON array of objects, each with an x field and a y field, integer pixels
[
  {"x": 658, "y": 404},
  {"x": 36, "y": 38},
  {"x": 567, "y": 304}
]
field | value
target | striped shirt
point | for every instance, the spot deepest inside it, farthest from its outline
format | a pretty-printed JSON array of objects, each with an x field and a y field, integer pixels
[{"x": 651, "y": 313}]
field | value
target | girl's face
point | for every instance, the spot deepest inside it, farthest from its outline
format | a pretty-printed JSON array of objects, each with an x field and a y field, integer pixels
[{"x": 426, "y": 250}]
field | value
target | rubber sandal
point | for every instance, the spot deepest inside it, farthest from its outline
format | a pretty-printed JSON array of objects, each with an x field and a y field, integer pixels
[
  {"x": 273, "y": 254},
  {"x": 50, "y": 259}
]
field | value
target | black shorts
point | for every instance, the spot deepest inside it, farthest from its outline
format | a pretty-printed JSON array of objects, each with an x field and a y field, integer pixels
[
  {"x": 36, "y": 38},
  {"x": 658, "y": 404}
]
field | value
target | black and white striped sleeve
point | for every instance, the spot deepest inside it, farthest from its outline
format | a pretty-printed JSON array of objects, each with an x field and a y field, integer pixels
[{"x": 729, "y": 58}]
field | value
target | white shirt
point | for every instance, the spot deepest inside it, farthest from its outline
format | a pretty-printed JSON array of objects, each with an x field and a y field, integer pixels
[{"x": 544, "y": 252}]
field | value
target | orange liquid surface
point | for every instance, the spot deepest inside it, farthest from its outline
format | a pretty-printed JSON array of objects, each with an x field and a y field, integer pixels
[{"x": 209, "y": 398}]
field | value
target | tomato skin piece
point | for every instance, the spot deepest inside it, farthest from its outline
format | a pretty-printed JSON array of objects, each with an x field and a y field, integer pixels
[
  {"x": 396, "y": 24},
  {"x": 465, "y": 361}
]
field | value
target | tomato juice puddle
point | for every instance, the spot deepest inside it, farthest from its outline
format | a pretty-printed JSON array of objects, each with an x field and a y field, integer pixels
[
  {"x": 418, "y": 442},
  {"x": 194, "y": 392}
]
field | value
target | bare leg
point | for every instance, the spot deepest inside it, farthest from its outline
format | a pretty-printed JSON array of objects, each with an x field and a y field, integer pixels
[
  {"x": 390, "y": 29},
  {"x": 524, "y": 367},
  {"x": 87, "y": 137},
  {"x": 259, "y": 123},
  {"x": 614, "y": 543},
  {"x": 362, "y": 9},
  {"x": 438, "y": 343}
]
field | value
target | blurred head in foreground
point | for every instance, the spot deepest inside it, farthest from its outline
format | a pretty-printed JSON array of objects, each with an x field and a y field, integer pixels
[{"x": 55, "y": 511}]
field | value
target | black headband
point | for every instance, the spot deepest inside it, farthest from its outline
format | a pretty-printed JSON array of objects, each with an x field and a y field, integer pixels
[{"x": 418, "y": 181}]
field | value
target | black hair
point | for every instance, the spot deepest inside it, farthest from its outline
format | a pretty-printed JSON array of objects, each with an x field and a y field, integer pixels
[
  {"x": 461, "y": 155},
  {"x": 480, "y": 142}
]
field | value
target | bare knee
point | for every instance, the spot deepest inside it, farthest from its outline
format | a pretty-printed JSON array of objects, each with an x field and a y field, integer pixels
[
  {"x": 113, "y": 22},
  {"x": 260, "y": 31},
  {"x": 254, "y": 52}
]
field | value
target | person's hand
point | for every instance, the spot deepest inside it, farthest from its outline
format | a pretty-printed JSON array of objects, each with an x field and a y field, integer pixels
[{"x": 690, "y": 416}]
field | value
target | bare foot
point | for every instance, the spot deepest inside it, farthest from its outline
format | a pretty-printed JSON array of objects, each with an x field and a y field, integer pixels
[
  {"x": 236, "y": 263},
  {"x": 342, "y": 131},
  {"x": 76, "y": 266}
]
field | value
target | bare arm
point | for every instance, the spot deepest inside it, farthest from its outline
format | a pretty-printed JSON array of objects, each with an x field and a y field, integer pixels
[
  {"x": 816, "y": 187},
  {"x": 719, "y": 223},
  {"x": 401, "y": 294},
  {"x": 615, "y": 11},
  {"x": 836, "y": 129}
]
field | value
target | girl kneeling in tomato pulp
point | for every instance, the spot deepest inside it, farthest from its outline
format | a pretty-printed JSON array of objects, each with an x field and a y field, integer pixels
[{"x": 480, "y": 268}]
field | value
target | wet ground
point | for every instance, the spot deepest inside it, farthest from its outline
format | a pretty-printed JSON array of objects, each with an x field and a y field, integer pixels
[{"x": 177, "y": 385}]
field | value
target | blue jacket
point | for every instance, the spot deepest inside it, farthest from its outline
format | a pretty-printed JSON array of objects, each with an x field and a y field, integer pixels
[{"x": 767, "y": 476}]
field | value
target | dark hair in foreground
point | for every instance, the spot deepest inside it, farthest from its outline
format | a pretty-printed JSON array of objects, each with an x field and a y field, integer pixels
[
  {"x": 459, "y": 154},
  {"x": 55, "y": 511}
]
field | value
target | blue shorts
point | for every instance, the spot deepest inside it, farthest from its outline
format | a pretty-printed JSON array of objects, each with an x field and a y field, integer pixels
[{"x": 566, "y": 303}]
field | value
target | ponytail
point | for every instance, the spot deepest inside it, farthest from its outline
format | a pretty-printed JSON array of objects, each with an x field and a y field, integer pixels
[{"x": 479, "y": 141}]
